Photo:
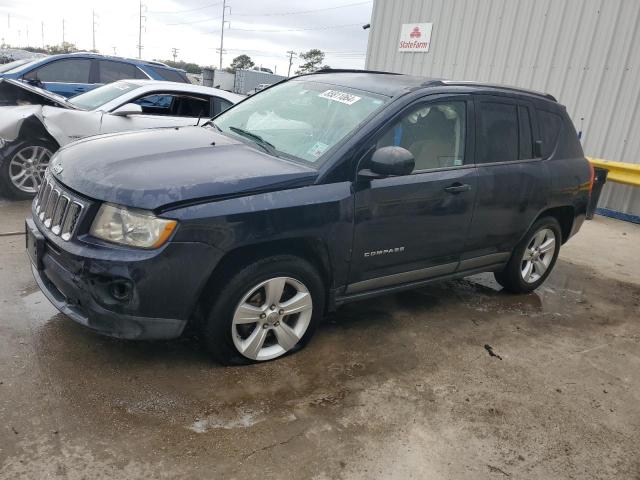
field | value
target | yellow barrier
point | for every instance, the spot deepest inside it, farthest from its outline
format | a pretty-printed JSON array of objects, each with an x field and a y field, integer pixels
[{"x": 619, "y": 172}]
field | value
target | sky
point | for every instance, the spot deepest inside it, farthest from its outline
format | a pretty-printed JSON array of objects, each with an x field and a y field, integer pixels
[{"x": 263, "y": 29}]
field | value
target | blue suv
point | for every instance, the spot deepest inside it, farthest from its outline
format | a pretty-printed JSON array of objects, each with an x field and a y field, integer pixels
[{"x": 74, "y": 73}]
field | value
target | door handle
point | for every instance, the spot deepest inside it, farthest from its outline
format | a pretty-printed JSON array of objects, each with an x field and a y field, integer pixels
[{"x": 457, "y": 188}]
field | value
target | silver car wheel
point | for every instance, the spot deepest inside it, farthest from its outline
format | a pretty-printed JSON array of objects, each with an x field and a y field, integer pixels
[
  {"x": 27, "y": 167},
  {"x": 538, "y": 255},
  {"x": 271, "y": 318}
]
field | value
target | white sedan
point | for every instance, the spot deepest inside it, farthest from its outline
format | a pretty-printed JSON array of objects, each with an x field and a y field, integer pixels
[{"x": 37, "y": 122}]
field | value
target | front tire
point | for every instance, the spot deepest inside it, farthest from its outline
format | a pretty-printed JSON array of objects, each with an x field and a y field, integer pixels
[
  {"x": 22, "y": 167},
  {"x": 264, "y": 311},
  {"x": 533, "y": 258}
]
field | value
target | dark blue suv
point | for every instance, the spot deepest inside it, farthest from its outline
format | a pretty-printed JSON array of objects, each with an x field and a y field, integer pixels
[
  {"x": 75, "y": 73},
  {"x": 320, "y": 190}
]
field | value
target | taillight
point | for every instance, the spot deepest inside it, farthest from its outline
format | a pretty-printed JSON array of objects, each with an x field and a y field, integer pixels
[{"x": 592, "y": 177}]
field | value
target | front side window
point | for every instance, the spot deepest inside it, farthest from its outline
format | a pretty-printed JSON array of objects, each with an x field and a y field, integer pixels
[
  {"x": 434, "y": 133},
  {"x": 63, "y": 71},
  {"x": 301, "y": 120},
  {"x": 97, "y": 97},
  {"x": 498, "y": 137},
  {"x": 174, "y": 105}
]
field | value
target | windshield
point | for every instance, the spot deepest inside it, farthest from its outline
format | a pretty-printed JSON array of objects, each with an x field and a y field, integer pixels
[
  {"x": 300, "y": 119},
  {"x": 97, "y": 97},
  {"x": 11, "y": 65},
  {"x": 19, "y": 65}
]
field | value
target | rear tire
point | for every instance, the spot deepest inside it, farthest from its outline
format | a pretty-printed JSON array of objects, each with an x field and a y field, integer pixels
[
  {"x": 266, "y": 310},
  {"x": 533, "y": 258}
]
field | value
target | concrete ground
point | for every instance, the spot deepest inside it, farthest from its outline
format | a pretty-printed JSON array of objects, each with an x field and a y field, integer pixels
[{"x": 400, "y": 387}]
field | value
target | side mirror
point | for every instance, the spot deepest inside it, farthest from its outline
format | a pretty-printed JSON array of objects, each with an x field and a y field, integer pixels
[
  {"x": 127, "y": 109},
  {"x": 537, "y": 149},
  {"x": 389, "y": 161}
]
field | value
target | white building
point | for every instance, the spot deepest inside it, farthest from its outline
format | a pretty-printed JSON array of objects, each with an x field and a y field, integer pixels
[{"x": 586, "y": 53}]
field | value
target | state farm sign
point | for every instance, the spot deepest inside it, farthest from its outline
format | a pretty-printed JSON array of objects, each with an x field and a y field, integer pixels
[{"x": 415, "y": 37}]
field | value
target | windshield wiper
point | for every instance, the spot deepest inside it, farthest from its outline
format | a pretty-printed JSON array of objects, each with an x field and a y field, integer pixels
[{"x": 266, "y": 146}]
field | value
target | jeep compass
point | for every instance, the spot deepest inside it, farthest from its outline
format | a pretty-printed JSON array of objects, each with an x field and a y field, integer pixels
[{"x": 320, "y": 190}]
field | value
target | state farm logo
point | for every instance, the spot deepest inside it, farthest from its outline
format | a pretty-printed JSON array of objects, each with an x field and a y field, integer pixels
[{"x": 415, "y": 37}]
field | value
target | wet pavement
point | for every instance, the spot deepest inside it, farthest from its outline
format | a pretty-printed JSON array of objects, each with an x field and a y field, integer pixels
[{"x": 397, "y": 387}]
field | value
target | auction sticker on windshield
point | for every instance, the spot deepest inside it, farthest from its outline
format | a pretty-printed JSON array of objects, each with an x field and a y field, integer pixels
[{"x": 342, "y": 97}]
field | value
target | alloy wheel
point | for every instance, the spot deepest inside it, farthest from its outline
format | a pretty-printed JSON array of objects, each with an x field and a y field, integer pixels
[
  {"x": 271, "y": 318},
  {"x": 27, "y": 166},
  {"x": 538, "y": 255}
]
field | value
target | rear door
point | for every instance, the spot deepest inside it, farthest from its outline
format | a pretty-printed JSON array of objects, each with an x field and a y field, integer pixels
[
  {"x": 410, "y": 228},
  {"x": 67, "y": 77},
  {"x": 512, "y": 184}
]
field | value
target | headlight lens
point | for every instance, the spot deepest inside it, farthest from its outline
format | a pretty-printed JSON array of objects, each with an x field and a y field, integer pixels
[{"x": 135, "y": 228}]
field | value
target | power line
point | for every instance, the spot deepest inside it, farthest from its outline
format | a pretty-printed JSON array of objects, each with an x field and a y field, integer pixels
[
  {"x": 195, "y": 21},
  {"x": 300, "y": 12},
  {"x": 167, "y": 12},
  {"x": 326, "y": 27}
]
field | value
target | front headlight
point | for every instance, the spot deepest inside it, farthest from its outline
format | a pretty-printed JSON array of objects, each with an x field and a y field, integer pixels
[{"x": 135, "y": 228}]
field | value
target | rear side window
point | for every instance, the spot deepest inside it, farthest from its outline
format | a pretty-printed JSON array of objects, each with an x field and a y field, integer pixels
[
  {"x": 64, "y": 71},
  {"x": 498, "y": 132},
  {"x": 220, "y": 105},
  {"x": 550, "y": 125},
  {"x": 170, "y": 75},
  {"x": 113, "y": 71}
]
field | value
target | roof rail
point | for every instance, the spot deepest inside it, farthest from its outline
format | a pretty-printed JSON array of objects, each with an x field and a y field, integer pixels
[
  {"x": 548, "y": 96},
  {"x": 352, "y": 70}
]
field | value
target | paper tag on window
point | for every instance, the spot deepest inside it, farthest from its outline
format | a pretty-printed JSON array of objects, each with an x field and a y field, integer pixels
[
  {"x": 317, "y": 149},
  {"x": 457, "y": 162},
  {"x": 342, "y": 97}
]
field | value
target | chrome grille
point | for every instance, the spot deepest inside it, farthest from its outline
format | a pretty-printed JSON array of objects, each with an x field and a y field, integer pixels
[{"x": 57, "y": 209}]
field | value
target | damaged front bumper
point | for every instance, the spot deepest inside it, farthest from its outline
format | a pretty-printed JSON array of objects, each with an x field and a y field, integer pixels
[{"x": 121, "y": 293}]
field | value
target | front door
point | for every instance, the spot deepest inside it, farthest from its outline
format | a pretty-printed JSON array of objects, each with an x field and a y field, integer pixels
[{"x": 410, "y": 228}]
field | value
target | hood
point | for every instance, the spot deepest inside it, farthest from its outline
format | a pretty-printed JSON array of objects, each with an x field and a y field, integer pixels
[
  {"x": 15, "y": 92},
  {"x": 155, "y": 168}
]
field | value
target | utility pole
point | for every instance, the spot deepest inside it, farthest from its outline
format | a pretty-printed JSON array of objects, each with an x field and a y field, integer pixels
[
  {"x": 114, "y": 51},
  {"x": 42, "y": 33},
  {"x": 27, "y": 35},
  {"x": 93, "y": 14},
  {"x": 224, "y": 11},
  {"x": 291, "y": 54},
  {"x": 63, "y": 32},
  {"x": 175, "y": 53},
  {"x": 140, "y": 31}
]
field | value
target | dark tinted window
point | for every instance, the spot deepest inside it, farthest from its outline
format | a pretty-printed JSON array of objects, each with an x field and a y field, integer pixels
[
  {"x": 171, "y": 75},
  {"x": 174, "y": 105},
  {"x": 550, "y": 125},
  {"x": 526, "y": 143},
  {"x": 113, "y": 71},
  {"x": 434, "y": 133},
  {"x": 498, "y": 132},
  {"x": 66, "y": 71},
  {"x": 192, "y": 107}
]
